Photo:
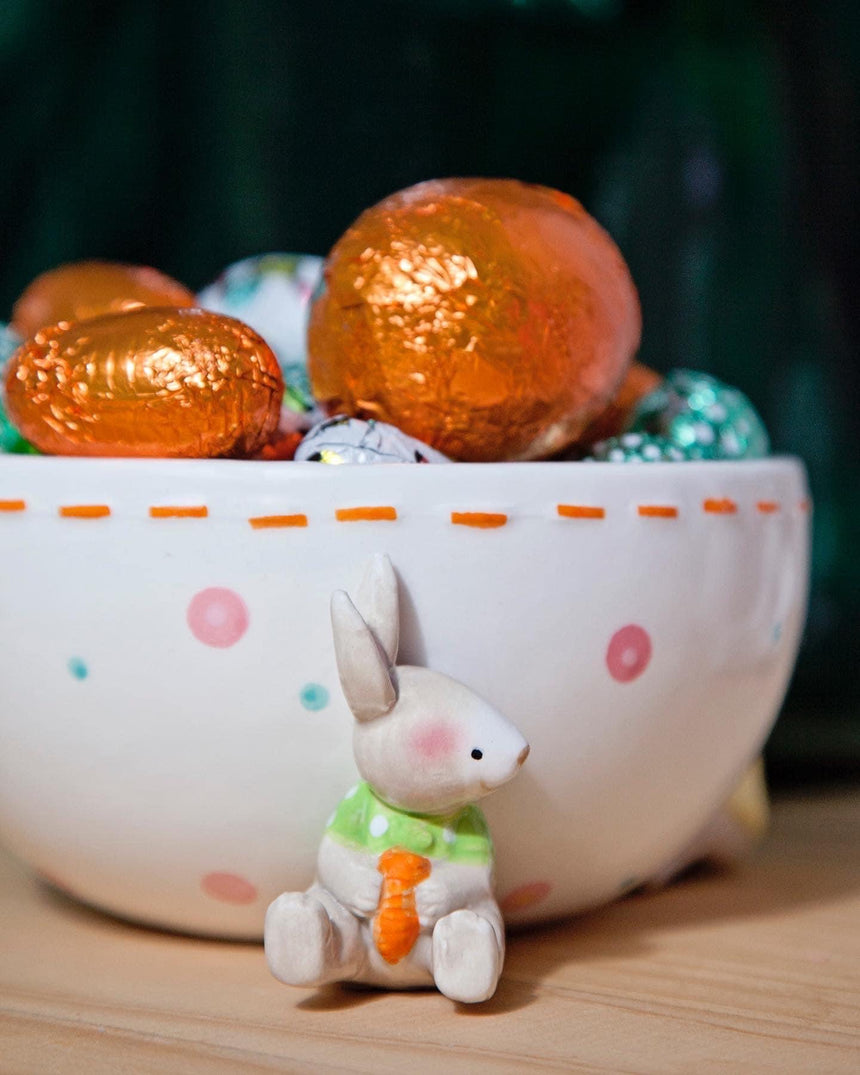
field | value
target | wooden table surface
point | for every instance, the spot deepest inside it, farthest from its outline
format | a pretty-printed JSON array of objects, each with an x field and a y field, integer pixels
[{"x": 753, "y": 971}]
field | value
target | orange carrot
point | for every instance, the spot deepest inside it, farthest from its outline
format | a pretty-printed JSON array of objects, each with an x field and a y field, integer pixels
[{"x": 395, "y": 925}]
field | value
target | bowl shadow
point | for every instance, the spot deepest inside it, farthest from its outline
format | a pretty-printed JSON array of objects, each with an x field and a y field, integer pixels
[{"x": 811, "y": 856}]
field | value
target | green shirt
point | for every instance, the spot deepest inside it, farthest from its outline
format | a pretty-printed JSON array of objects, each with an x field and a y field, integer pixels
[{"x": 364, "y": 821}]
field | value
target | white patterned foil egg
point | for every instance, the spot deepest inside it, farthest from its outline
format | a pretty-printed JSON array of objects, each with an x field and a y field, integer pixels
[
  {"x": 351, "y": 440},
  {"x": 702, "y": 416}
]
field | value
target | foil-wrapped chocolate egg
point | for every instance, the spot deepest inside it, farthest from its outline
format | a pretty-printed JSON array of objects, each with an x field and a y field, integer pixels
[
  {"x": 153, "y": 382},
  {"x": 641, "y": 448},
  {"x": 350, "y": 440},
  {"x": 87, "y": 289},
  {"x": 614, "y": 420},
  {"x": 488, "y": 318},
  {"x": 700, "y": 413}
]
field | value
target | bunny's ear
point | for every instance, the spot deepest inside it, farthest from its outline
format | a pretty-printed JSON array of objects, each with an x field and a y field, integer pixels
[
  {"x": 376, "y": 599},
  {"x": 363, "y": 667}
]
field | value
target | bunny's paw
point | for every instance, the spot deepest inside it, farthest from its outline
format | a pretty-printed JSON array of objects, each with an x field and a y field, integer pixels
[
  {"x": 467, "y": 959},
  {"x": 300, "y": 940}
]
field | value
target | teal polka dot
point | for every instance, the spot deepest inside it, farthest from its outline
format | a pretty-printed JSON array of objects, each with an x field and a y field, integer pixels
[
  {"x": 314, "y": 696},
  {"x": 78, "y": 668}
]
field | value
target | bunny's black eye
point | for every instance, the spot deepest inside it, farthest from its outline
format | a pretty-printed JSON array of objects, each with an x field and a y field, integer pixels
[{"x": 477, "y": 754}]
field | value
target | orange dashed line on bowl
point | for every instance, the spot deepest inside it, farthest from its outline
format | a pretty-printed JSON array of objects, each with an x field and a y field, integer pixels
[
  {"x": 658, "y": 511},
  {"x": 273, "y": 522},
  {"x": 84, "y": 511},
  {"x": 376, "y": 513},
  {"x": 199, "y": 511},
  {"x": 481, "y": 520},
  {"x": 580, "y": 511},
  {"x": 720, "y": 506}
]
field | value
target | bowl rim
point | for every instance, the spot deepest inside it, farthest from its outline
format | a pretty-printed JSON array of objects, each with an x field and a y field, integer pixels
[
  {"x": 485, "y": 495},
  {"x": 15, "y": 459}
]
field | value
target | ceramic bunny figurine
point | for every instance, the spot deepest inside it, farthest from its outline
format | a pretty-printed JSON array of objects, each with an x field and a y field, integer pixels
[{"x": 403, "y": 893}]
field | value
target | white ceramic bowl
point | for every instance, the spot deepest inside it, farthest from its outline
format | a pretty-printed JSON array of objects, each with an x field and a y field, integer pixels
[{"x": 172, "y": 732}]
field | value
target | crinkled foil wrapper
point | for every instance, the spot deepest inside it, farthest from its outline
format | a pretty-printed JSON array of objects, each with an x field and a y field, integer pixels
[
  {"x": 352, "y": 440},
  {"x": 490, "y": 319},
  {"x": 87, "y": 289},
  {"x": 641, "y": 448},
  {"x": 152, "y": 382},
  {"x": 704, "y": 417}
]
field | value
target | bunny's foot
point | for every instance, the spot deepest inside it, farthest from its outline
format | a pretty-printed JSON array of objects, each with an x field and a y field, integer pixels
[
  {"x": 299, "y": 940},
  {"x": 305, "y": 944},
  {"x": 467, "y": 957}
]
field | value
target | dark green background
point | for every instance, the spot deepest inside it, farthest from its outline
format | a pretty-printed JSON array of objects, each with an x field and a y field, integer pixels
[{"x": 718, "y": 142}]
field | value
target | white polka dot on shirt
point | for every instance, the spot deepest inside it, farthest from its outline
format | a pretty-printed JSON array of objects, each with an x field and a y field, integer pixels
[{"x": 378, "y": 825}]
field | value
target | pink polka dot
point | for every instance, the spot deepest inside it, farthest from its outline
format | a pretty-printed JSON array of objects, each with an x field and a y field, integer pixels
[
  {"x": 217, "y": 617},
  {"x": 629, "y": 653},
  {"x": 525, "y": 896},
  {"x": 228, "y": 887}
]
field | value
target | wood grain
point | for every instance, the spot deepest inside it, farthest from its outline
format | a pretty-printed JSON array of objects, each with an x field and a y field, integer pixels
[{"x": 753, "y": 971}]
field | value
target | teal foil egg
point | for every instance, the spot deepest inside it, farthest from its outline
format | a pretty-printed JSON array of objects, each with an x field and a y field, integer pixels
[
  {"x": 641, "y": 448},
  {"x": 703, "y": 417}
]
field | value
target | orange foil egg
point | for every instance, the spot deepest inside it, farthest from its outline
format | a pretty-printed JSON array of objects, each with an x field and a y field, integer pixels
[
  {"x": 152, "y": 382},
  {"x": 87, "y": 289},
  {"x": 489, "y": 318},
  {"x": 640, "y": 380}
]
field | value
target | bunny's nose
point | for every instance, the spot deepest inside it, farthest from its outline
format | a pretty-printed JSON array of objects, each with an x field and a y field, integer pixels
[{"x": 523, "y": 754}]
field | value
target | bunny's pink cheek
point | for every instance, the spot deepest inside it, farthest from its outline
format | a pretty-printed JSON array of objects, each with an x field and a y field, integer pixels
[{"x": 433, "y": 742}]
